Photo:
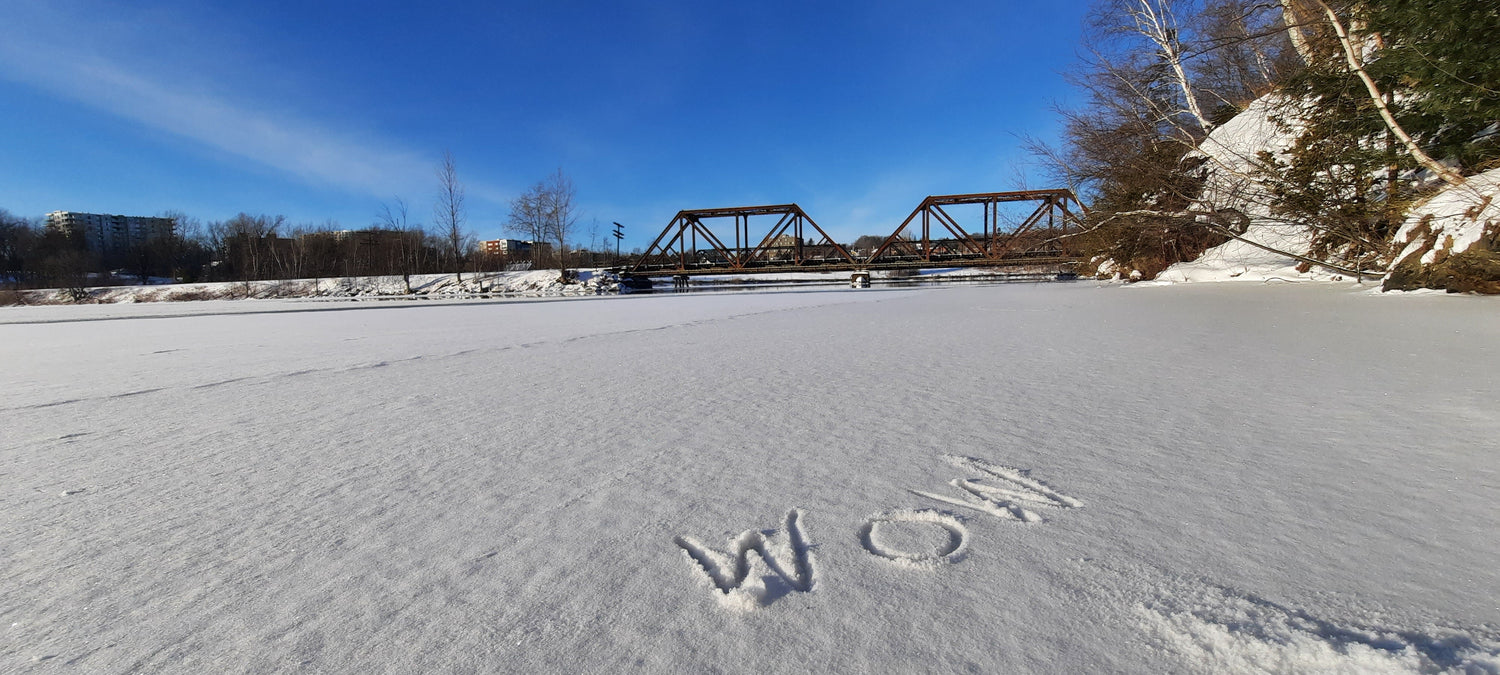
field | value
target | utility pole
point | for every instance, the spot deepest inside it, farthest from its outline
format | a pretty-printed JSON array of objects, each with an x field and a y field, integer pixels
[{"x": 619, "y": 234}]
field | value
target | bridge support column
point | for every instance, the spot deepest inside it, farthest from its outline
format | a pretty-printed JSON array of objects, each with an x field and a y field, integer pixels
[
  {"x": 680, "y": 282},
  {"x": 860, "y": 280}
]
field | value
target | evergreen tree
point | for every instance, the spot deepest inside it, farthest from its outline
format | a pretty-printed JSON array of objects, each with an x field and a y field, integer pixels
[
  {"x": 1347, "y": 176},
  {"x": 1439, "y": 53}
]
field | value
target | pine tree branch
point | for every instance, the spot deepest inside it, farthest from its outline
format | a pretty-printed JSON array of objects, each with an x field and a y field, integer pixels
[{"x": 1448, "y": 175}]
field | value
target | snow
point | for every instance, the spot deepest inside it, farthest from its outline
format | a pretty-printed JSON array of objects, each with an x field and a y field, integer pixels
[
  {"x": 1236, "y": 260},
  {"x": 1271, "y": 123},
  {"x": 1221, "y": 632},
  {"x": 1456, "y": 217},
  {"x": 1232, "y": 151},
  {"x": 538, "y": 283},
  {"x": 1210, "y": 478}
]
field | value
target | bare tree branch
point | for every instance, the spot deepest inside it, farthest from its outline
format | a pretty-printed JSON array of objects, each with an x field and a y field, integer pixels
[{"x": 450, "y": 213}]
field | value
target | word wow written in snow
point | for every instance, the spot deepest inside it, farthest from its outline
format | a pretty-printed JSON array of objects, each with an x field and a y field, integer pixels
[{"x": 999, "y": 491}]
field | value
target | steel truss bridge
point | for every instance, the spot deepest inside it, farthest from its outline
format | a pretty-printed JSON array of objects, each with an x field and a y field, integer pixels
[{"x": 929, "y": 237}]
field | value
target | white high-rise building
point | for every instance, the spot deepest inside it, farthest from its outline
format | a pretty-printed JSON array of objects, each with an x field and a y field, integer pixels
[{"x": 109, "y": 233}]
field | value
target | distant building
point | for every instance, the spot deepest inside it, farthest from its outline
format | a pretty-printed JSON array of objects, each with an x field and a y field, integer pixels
[
  {"x": 368, "y": 237},
  {"x": 495, "y": 246},
  {"x": 783, "y": 247},
  {"x": 110, "y": 233},
  {"x": 511, "y": 247}
]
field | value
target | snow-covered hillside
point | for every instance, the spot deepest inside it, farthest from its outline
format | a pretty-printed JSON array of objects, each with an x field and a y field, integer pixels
[
  {"x": 1448, "y": 241},
  {"x": 1232, "y": 150},
  {"x": 1054, "y": 478}
]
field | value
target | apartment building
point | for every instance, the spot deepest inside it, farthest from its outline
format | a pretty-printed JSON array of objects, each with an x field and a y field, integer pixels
[
  {"x": 512, "y": 247},
  {"x": 107, "y": 233}
]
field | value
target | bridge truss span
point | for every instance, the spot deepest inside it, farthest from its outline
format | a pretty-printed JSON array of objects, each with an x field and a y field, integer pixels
[
  {"x": 1041, "y": 234},
  {"x": 689, "y": 244},
  {"x": 1027, "y": 227}
]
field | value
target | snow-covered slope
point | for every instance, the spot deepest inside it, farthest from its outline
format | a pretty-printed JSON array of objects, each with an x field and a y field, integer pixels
[
  {"x": 1267, "y": 125},
  {"x": 1232, "y": 150},
  {"x": 1237, "y": 260},
  {"x": 1450, "y": 241}
]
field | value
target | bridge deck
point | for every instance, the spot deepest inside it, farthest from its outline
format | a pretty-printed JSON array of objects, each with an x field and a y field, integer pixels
[{"x": 839, "y": 265}]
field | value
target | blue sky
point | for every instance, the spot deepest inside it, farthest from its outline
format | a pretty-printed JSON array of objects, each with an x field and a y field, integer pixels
[{"x": 323, "y": 110}]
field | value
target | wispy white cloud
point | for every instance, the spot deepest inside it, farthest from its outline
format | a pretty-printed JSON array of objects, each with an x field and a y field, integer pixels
[{"x": 75, "y": 57}]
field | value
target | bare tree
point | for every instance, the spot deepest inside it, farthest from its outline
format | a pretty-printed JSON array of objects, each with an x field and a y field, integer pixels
[
  {"x": 410, "y": 248},
  {"x": 246, "y": 243},
  {"x": 545, "y": 213},
  {"x": 1142, "y": 45},
  {"x": 18, "y": 248},
  {"x": 187, "y": 246},
  {"x": 450, "y": 214},
  {"x": 1156, "y": 21},
  {"x": 528, "y": 219},
  {"x": 1241, "y": 51},
  {"x": 559, "y": 193}
]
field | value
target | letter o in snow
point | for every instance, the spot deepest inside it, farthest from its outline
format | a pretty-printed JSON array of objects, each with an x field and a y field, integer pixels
[{"x": 951, "y": 550}]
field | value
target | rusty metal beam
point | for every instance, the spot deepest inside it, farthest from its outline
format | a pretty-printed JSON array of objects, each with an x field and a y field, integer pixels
[
  {"x": 742, "y": 255},
  {"x": 994, "y": 245}
]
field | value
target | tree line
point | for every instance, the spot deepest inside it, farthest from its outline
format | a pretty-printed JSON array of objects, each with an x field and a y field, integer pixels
[{"x": 250, "y": 247}]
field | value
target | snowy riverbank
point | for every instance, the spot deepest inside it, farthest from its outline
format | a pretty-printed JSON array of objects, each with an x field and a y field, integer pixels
[{"x": 535, "y": 284}]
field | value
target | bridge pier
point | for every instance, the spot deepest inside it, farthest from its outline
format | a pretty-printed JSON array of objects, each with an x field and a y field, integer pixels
[{"x": 859, "y": 279}]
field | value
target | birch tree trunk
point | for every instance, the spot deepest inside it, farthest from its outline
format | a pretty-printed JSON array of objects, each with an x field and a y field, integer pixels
[
  {"x": 1448, "y": 175},
  {"x": 1154, "y": 20},
  {"x": 1294, "y": 24}
]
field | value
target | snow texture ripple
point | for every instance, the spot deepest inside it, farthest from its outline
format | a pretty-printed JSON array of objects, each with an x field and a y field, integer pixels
[{"x": 1053, "y": 478}]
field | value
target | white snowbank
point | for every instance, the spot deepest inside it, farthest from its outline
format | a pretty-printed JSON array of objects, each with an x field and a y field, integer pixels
[
  {"x": 1237, "y": 260},
  {"x": 1224, "y": 632}
]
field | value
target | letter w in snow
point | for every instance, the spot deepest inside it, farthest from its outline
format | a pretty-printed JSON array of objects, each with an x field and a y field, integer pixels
[
  {"x": 1007, "y": 495},
  {"x": 785, "y": 552}
]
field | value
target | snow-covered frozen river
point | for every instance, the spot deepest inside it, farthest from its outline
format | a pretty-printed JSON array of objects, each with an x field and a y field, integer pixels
[{"x": 1054, "y": 478}]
